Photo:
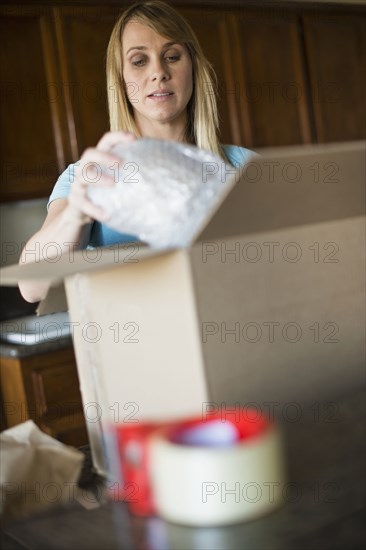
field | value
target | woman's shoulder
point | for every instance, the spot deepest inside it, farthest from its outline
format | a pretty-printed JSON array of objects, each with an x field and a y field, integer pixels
[
  {"x": 63, "y": 184},
  {"x": 238, "y": 155}
]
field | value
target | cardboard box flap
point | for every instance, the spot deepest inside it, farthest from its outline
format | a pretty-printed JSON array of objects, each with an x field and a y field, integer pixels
[
  {"x": 82, "y": 261},
  {"x": 285, "y": 187},
  {"x": 292, "y": 186}
]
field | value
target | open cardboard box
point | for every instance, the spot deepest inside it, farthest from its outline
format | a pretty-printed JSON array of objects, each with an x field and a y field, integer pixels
[{"x": 265, "y": 307}]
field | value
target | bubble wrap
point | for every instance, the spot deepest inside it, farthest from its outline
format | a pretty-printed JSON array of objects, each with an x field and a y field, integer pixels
[{"x": 163, "y": 191}]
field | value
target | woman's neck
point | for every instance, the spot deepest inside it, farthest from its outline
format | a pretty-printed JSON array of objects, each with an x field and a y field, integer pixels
[{"x": 168, "y": 131}]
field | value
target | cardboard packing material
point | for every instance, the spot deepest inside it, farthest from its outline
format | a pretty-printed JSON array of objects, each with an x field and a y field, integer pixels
[{"x": 265, "y": 307}]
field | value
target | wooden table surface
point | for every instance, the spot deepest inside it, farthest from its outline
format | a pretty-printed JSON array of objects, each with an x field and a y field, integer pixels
[{"x": 326, "y": 458}]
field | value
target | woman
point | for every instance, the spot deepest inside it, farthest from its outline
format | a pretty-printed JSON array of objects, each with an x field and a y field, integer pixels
[{"x": 158, "y": 80}]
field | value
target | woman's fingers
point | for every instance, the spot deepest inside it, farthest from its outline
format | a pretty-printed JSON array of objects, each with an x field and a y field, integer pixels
[
  {"x": 94, "y": 164},
  {"x": 96, "y": 167},
  {"x": 91, "y": 211},
  {"x": 79, "y": 200},
  {"x": 82, "y": 208}
]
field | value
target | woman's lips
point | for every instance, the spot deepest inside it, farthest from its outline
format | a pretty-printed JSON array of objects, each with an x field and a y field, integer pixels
[{"x": 160, "y": 96}]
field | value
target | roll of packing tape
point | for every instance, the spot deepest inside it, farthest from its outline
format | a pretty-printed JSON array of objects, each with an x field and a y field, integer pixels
[
  {"x": 131, "y": 466},
  {"x": 216, "y": 472}
]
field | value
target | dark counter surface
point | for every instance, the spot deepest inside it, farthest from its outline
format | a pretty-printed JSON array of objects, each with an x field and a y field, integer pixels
[
  {"x": 25, "y": 350},
  {"x": 324, "y": 509}
]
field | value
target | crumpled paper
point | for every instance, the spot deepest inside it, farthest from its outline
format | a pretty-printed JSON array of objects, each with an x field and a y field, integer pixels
[
  {"x": 163, "y": 191},
  {"x": 37, "y": 471}
]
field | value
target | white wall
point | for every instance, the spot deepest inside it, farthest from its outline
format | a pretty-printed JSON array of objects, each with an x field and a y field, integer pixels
[{"x": 18, "y": 222}]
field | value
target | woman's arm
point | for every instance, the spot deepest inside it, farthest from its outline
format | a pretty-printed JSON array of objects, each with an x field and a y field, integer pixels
[
  {"x": 62, "y": 228},
  {"x": 69, "y": 220}
]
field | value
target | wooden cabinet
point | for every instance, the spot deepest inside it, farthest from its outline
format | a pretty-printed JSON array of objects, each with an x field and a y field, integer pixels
[
  {"x": 44, "y": 388},
  {"x": 262, "y": 85},
  {"x": 213, "y": 32},
  {"x": 336, "y": 54},
  {"x": 54, "y": 102},
  {"x": 274, "y": 107},
  {"x": 288, "y": 73},
  {"x": 34, "y": 145},
  {"x": 82, "y": 39}
]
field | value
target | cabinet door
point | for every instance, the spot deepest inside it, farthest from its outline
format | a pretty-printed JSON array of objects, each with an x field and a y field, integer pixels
[
  {"x": 213, "y": 32},
  {"x": 33, "y": 138},
  {"x": 82, "y": 38},
  {"x": 57, "y": 400},
  {"x": 336, "y": 50},
  {"x": 45, "y": 388},
  {"x": 271, "y": 82}
]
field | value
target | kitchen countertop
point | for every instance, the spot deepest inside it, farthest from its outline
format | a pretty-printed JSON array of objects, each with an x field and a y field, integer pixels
[
  {"x": 27, "y": 350},
  {"x": 325, "y": 454}
]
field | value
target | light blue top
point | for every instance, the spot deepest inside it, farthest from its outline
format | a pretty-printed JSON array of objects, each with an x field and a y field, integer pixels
[{"x": 102, "y": 235}]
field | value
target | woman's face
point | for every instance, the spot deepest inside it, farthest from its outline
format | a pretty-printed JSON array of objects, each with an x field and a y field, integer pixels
[{"x": 158, "y": 77}]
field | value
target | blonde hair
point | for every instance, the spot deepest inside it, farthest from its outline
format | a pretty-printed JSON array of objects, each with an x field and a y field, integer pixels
[{"x": 203, "y": 120}]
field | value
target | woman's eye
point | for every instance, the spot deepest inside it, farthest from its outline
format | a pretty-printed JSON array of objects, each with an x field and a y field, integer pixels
[
  {"x": 138, "y": 62},
  {"x": 168, "y": 59},
  {"x": 172, "y": 58}
]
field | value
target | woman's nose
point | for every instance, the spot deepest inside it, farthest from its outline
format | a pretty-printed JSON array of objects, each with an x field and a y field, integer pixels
[{"x": 159, "y": 70}]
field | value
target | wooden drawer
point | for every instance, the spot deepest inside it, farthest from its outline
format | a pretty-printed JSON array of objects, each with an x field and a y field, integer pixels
[{"x": 44, "y": 388}]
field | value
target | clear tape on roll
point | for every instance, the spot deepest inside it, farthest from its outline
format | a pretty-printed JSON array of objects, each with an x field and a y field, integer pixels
[{"x": 195, "y": 482}]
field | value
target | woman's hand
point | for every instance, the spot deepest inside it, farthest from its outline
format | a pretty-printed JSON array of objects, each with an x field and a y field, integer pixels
[{"x": 92, "y": 169}]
